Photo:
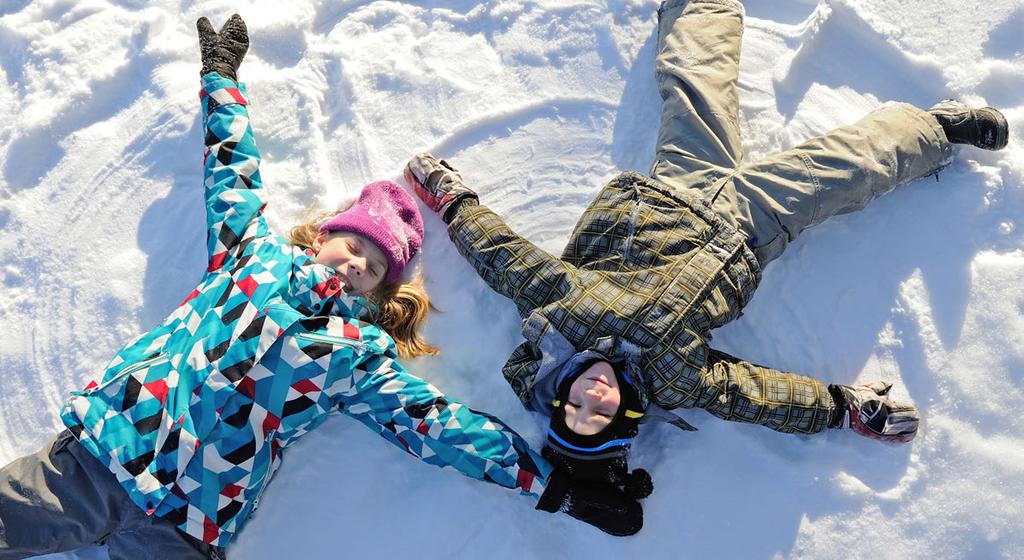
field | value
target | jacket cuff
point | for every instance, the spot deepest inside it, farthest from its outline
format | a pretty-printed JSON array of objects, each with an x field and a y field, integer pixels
[
  {"x": 840, "y": 403},
  {"x": 218, "y": 90},
  {"x": 465, "y": 201}
]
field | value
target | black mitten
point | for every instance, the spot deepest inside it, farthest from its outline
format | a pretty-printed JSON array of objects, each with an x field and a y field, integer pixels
[
  {"x": 638, "y": 484},
  {"x": 223, "y": 52},
  {"x": 602, "y": 505}
]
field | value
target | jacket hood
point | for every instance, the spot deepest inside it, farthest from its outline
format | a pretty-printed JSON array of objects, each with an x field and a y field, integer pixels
[{"x": 559, "y": 360}]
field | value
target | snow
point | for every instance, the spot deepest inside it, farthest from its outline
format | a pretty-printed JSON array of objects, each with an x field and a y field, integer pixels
[{"x": 538, "y": 103}]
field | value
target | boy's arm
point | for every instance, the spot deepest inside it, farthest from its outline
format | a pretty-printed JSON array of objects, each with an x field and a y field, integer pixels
[
  {"x": 511, "y": 265},
  {"x": 737, "y": 390},
  {"x": 234, "y": 198}
]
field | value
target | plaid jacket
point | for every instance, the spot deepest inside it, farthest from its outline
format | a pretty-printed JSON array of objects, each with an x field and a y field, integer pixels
[
  {"x": 192, "y": 416},
  {"x": 647, "y": 274}
]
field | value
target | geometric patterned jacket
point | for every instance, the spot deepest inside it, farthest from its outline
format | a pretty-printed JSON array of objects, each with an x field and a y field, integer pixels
[
  {"x": 648, "y": 272},
  {"x": 192, "y": 416}
]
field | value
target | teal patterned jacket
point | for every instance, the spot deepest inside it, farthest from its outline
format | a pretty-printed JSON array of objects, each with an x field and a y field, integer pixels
[{"x": 192, "y": 417}]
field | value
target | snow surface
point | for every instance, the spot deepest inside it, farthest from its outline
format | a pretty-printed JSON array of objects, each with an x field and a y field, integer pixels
[{"x": 538, "y": 103}]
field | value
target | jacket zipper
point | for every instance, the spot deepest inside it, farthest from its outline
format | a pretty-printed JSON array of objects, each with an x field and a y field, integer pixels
[
  {"x": 155, "y": 360},
  {"x": 270, "y": 473},
  {"x": 328, "y": 339}
]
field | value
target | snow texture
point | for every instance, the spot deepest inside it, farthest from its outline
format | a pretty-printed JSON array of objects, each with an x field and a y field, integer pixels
[{"x": 538, "y": 103}]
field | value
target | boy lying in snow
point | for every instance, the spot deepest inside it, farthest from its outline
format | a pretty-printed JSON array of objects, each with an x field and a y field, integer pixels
[{"x": 617, "y": 329}]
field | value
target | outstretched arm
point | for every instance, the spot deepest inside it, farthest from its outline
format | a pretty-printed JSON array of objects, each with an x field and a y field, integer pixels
[
  {"x": 738, "y": 390},
  {"x": 418, "y": 418},
  {"x": 234, "y": 198},
  {"x": 511, "y": 265}
]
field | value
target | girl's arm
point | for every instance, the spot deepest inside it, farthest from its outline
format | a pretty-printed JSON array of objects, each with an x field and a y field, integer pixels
[
  {"x": 511, "y": 265},
  {"x": 415, "y": 416},
  {"x": 234, "y": 197},
  {"x": 234, "y": 200}
]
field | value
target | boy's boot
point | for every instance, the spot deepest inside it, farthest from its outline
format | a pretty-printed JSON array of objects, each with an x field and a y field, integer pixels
[{"x": 985, "y": 128}]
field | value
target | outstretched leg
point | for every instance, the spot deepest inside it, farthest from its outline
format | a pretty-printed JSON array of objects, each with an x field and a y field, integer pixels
[
  {"x": 698, "y": 54},
  {"x": 57, "y": 499},
  {"x": 775, "y": 199}
]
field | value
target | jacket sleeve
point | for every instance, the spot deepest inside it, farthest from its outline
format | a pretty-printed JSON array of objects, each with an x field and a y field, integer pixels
[
  {"x": 234, "y": 190},
  {"x": 737, "y": 390},
  {"x": 511, "y": 265},
  {"x": 415, "y": 416}
]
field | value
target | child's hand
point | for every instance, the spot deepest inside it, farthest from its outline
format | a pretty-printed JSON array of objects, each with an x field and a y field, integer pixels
[
  {"x": 869, "y": 411},
  {"x": 437, "y": 184},
  {"x": 222, "y": 52},
  {"x": 602, "y": 505}
]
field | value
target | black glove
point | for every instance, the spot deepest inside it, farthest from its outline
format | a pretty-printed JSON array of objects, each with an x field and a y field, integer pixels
[
  {"x": 602, "y": 505},
  {"x": 222, "y": 52},
  {"x": 868, "y": 410}
]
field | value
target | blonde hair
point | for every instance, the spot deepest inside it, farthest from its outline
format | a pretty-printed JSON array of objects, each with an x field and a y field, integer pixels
[{"x": 400, "y": 308}]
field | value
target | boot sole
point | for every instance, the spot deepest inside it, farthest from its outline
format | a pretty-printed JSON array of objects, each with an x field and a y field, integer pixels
[{"x": 1003, "y": 135}]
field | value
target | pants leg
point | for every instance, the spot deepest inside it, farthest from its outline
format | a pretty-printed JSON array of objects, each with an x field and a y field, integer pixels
[
  {"x": 152, "y": 538},
  {"x": 697, "y": 65},
  {"x": 775, "y": 199},
  {"x": 62, "y": 498},
  {"x": 51, "y": 502}
]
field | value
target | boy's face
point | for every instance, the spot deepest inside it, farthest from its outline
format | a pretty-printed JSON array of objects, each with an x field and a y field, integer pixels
[
  {"x": 593, "y": 400},
  {"x": 359, "y": 262}
]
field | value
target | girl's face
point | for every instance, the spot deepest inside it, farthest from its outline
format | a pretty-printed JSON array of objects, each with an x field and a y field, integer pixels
[
  {"x": 359, "y": 262},
  {"x": 593, "y": 400}
]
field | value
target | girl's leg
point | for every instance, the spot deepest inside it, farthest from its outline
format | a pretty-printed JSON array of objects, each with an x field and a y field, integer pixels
[
  {"x": 775, "y": 199},
  {"x": 63, "y": 498},
  {"x": 153, "y": 537},
  {"x": 54, "y": 500},
  {"x": 698, "y": 54}
]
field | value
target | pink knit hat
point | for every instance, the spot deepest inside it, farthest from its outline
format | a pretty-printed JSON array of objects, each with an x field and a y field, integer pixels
[{"x": 386, "y": 215}]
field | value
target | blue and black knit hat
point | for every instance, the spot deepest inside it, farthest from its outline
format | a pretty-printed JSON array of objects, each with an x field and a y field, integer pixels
[{"x": 600, "y": 457}]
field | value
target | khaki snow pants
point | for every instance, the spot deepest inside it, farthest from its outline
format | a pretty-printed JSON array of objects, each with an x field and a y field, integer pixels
[
  {"x": 62, "y": 498},
  {"x": 771, "y": 201}
]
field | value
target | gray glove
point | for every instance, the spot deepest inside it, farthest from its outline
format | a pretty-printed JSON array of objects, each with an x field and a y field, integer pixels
[
  {"x": 222, "y": 52},
  {"x": 869, "y": 411},
  {"x": 437, "y": 184}
]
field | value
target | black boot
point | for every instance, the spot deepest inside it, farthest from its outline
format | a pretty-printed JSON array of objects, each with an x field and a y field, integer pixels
[{"x": 985, "y": 128}]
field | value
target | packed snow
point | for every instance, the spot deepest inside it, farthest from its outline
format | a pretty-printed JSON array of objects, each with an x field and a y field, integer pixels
[{"x": 538, "y": 103}]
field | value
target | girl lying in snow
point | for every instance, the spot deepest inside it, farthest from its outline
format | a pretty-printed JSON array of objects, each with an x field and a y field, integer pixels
[
  {"x": 168, "y": 453},
  {"x": 617, "y": 329}
]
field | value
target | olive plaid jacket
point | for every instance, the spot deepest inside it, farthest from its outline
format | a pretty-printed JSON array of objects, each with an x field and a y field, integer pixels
[{"x": 648, "y": 272}]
